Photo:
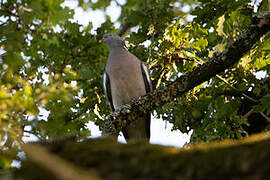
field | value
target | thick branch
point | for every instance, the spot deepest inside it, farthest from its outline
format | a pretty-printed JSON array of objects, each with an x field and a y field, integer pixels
[
  {"x": 217, "y": 64},
  {"x": 229, "y": 159}
]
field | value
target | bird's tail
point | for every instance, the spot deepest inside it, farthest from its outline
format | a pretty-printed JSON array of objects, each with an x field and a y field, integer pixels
[{"x": 138, "y": 130}]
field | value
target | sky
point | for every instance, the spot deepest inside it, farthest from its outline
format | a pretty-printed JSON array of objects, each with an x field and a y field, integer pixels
[{"x": 161, "y": 131}]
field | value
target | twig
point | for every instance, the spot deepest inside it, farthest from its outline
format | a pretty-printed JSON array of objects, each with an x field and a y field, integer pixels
[
  {"x": 267, "y": 118},
  {"x": 10, "y": 13},
  {"x": 243, "y": 131},
  {"x": 125, "y": 28},
  {"x": 248, "y": 113},
  {"x": 179, "y": 59},
  {"x": 231, "y": 86}
]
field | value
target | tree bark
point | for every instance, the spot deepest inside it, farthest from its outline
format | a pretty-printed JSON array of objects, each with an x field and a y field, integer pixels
[{"x": 107, "y": 159}]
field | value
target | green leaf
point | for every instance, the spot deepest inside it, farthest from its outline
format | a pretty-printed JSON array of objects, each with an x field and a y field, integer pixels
[{"x": 264, "y": 106}]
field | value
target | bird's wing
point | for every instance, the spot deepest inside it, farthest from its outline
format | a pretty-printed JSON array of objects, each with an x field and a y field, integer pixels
[
  {"x": 146, "y": 77},
  {"x": 107, "y": 89}
]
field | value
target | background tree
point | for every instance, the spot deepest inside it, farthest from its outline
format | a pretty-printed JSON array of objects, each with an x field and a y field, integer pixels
[{"x": 50, "y": 63}]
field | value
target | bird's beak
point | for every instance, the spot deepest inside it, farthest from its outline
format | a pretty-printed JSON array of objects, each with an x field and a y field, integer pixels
[{"x": 101, "y": 41}]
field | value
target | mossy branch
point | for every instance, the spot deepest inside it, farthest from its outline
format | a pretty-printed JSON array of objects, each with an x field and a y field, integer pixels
[{"x": 229, "y": 159}]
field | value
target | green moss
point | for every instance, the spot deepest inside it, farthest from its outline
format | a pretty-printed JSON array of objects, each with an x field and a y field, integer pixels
[{"x": 247, "y": 158}]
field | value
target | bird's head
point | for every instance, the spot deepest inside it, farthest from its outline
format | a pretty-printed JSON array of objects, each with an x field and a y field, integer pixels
[{"x": 113, "y": 41}]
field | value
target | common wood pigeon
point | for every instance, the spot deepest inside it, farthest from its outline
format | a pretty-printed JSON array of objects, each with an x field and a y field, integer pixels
[{"x": 126, "y": 78}]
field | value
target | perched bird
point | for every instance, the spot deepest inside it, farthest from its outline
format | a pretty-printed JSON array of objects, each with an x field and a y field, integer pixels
[{"x": 126, "y": 78}]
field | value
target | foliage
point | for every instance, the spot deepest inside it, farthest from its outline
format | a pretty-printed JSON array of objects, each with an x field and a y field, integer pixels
[{"x": 50, "y": 63}]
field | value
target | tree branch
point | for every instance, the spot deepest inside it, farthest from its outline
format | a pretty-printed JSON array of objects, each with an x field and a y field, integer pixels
[
  {"x": 233, "y": 159},
  {"x": 217, "y": 64},
  {"x": 125, "y": 28}
]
